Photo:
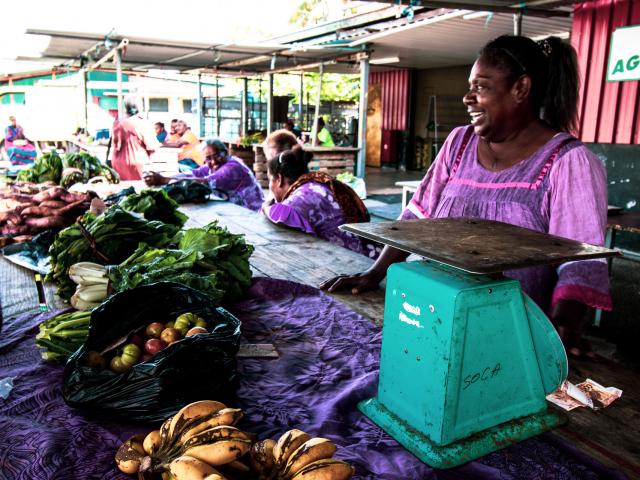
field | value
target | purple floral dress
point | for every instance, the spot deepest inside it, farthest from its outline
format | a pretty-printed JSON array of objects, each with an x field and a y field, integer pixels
[
  {"x": 313, "y": 209},
  {"x": 561, "y": 189},
  {"x": 235, "y": 179}
]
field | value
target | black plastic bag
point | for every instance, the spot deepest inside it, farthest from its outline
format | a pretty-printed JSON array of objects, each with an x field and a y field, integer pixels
[
  {"x": 195, "y": 368},
  {"x": 188, "y": 191}
]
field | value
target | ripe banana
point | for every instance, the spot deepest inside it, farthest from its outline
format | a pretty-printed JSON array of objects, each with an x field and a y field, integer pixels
[
  {"x": 287, "y": 444},
  {"x": 130, "y": 453},
  {"x": 151, "y": 442},
  {"x": 220, "y": 452},
  {"x": 189, "y": 468},
  {"x": 224, "y": 416},
  {"x": 215, "y": 434},
  {"x": 164, "y": 433},
  {"x": 309, "y": 452},
  {"x": 191, "y": 412},
  {"x": 262, "y": 456},
  {"x": 327, "y": 469}
]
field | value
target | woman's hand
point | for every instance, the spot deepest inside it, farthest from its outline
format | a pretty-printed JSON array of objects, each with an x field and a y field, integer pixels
[
  {"x": 369, "y": 280},
  {"x": 153, "y": 179},
  {"x": 359, "y": 283}
]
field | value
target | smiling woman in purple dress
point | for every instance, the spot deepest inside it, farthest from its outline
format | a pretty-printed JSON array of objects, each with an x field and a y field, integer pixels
[{"x": 517, "y": 163}]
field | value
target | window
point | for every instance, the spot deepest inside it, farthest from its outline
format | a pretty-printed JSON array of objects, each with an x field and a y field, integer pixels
[
  {"x": 158, "y": 104},
  {"x": 187, "y": 105}
]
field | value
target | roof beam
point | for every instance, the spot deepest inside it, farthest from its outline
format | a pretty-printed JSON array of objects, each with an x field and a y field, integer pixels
[{"x": 488, "y": 6}]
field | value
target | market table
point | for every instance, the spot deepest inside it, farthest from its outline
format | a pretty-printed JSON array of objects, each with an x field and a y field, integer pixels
[{"x": 329, "y": 360}]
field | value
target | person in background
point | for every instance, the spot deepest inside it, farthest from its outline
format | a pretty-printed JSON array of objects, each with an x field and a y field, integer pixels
[
  {"x": 21, "y": 152},
  {"x": 161, "y": 133},
  {"x": 277, "y": 142},
  {"x": 289, "y": 125},
  {"x": 191, "y": 155},
  {"x": 133, "y": 141},
  {"x": 517, "y": 163},
  {"x": 222, "y": 172},
  {"x": 173, "y": 136},
  {"x": 324, "y": 137},
  {"x": 314, "y": 202}
]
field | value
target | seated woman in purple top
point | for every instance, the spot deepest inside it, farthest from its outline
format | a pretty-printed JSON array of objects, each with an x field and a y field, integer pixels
[
  {"x": 314, "y": 202},
  {"x": 222, "y": 172},
  {"x": 517, "y": 163}
]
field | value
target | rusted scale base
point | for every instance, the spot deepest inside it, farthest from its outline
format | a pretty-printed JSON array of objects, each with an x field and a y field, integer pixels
[{"x": 467, "y": 449}]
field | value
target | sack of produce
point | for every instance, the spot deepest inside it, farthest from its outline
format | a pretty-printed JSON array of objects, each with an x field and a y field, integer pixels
[
  {"x": 188, "y": 191},
  {"x": 180, "y": 370}
]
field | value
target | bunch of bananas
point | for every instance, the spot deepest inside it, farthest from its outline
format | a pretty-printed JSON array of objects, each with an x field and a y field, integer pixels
[
  {"x": 189, "y": 444},
  {"x": 297, "y": 456},
  {"x": 200, "y": 442}
]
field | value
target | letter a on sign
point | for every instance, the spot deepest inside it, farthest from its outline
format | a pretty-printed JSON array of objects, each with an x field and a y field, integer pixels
[{"x": 624, "y": 54}]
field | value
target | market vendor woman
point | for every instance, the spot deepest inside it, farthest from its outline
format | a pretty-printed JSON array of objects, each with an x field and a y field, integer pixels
[
  {"x": 222, "y": 172},
  {"x": 517, "y": 163},
  {"x": 314, "y": 202},
  {"x": 19, "y": 150}
]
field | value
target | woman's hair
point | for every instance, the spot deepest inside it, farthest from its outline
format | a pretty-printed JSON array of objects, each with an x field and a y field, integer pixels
[
  {"x": 131, "y": 106},
  {"x": 282, "y": 139},
  {"x": 553, "y": 68},
  {"x": 291, "y": 164},
  {"x": 218, "y": 145}
]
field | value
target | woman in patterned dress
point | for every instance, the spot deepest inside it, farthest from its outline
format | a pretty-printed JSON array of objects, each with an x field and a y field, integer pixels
[
  {"x": 314, "y": 202},
  {"x": 517, "y": 163},
  {"x": 222, "y": 172}
]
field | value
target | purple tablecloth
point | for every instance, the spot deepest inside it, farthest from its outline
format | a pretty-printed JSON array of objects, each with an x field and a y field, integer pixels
[{"x": 328, "y": 362}]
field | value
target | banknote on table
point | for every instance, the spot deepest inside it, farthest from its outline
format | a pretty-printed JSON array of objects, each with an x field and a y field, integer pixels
[{"x": 586, "y": 394}]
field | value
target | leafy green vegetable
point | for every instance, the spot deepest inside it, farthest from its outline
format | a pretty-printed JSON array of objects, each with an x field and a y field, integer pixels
[
  {"x": 210, "y": 259},
  {"x": 154, "y": 205},
  {"x": 47, "y": 168},
  {"x": 62, "y": 335},
  {"x": 73, "y": 168},
  {"x": 117, "y": 234}
]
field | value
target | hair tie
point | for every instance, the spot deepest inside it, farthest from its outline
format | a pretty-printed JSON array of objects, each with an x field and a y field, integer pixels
[
  {"x": 514, "y": 58},
  {"x": 545, "y": 46},
  {"x": 280, "y": 158}
]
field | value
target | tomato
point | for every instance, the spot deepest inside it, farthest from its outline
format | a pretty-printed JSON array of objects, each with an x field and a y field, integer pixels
[
  {"x": 188, "y": 318},
  {"x": 131, "y": 354},
  {"x": 154, "y": 345},
  {"x": 196, "y": 331},
  {"x": 170, "y": 335},
  {"x": 117, "y": 365},
  {"x": 154, "y": 330},
  {"x": 95, "y": 360}
]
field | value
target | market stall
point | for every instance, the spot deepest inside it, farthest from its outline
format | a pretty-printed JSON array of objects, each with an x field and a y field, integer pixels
[{"x": 327, "y": 361}]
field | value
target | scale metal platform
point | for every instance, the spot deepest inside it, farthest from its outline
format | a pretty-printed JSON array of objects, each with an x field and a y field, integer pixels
[{"x": 467, "y": 358}]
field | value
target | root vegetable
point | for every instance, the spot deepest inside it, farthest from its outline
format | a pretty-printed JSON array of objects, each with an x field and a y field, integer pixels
[
  {"x": 38, "y": 212},
  {"x": 16, "y": 229},
  {"x": 22, "y": 238},
  {"x": 48, "y": 222},
  {"x": 53, "y": 193},
  {"x": 53, "y": 204}
]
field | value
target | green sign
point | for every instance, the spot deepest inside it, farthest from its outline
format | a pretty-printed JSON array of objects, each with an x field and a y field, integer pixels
[{"x": 624, "y": 55}]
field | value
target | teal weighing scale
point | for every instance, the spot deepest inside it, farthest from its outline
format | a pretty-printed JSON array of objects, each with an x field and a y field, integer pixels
[{"x": 467, "y": 358}]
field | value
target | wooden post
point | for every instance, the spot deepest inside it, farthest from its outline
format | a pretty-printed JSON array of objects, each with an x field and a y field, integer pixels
[
  {"x": 119, "y": 83},
  {"x": 517, "y": 23},
  {"x": 270, "y": 105},
  {"x": 362, "y": 114},
  {"x": 301, "y": 102},
  {"x": 199, "y": 106},
  {"x": 244, "y": 117},
  {"x": 316, "y": 115}
]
